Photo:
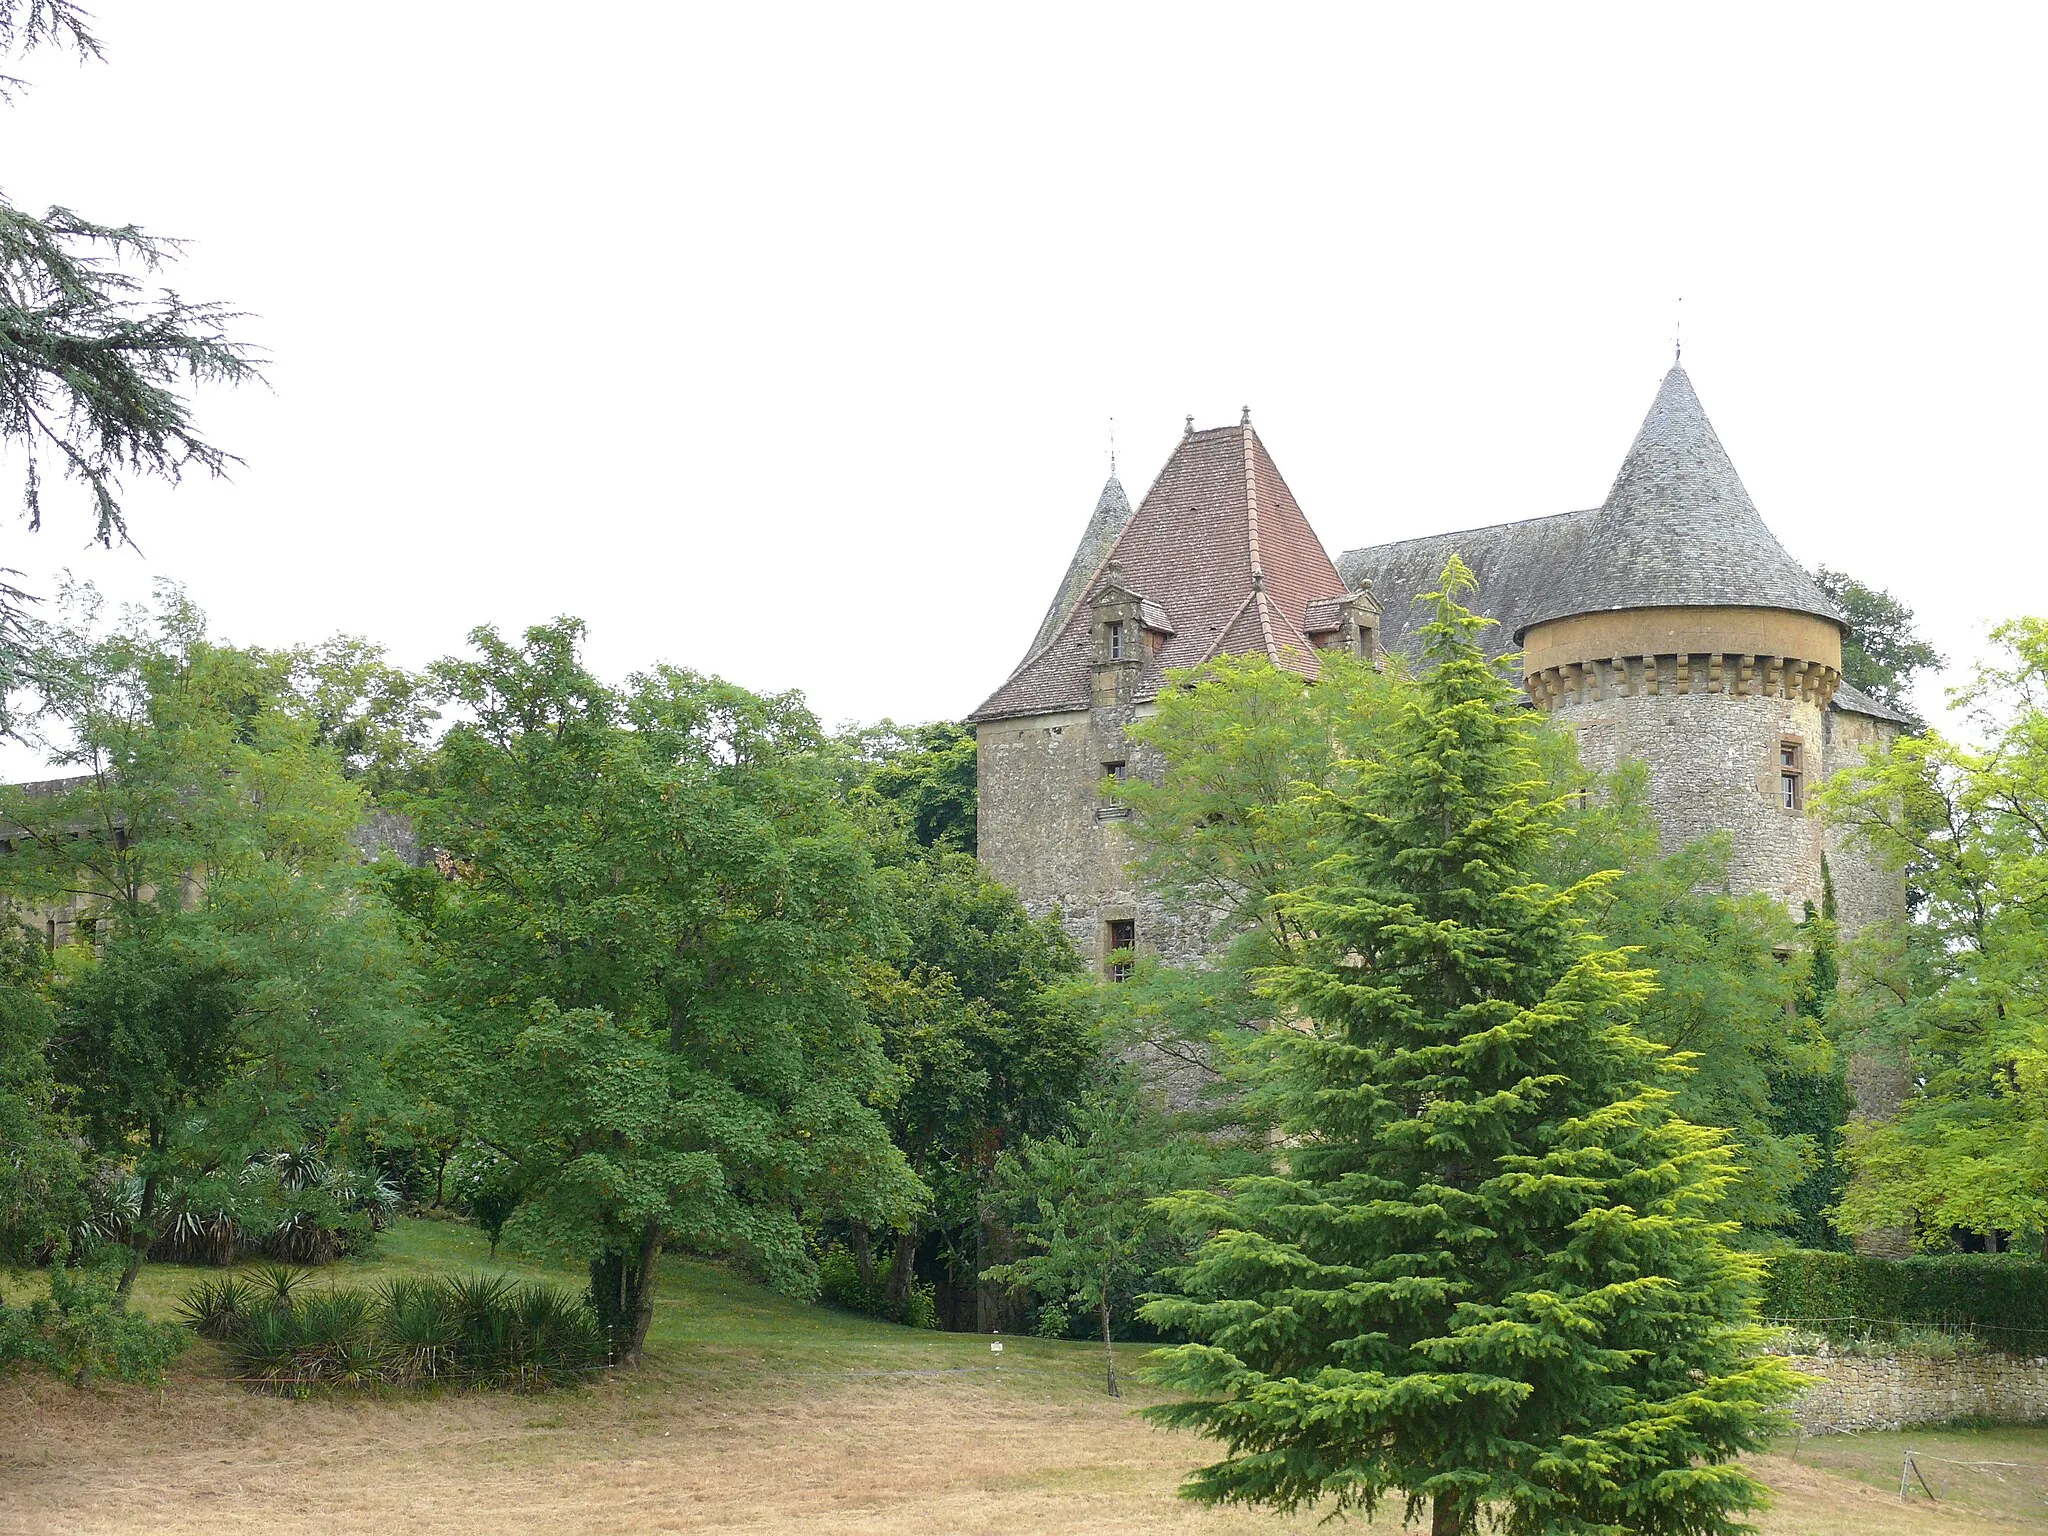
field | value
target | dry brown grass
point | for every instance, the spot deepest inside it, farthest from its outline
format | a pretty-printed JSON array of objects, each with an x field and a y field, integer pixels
[
  {"x": 756, "y": 1414},
  {"x": 907, "y": 1455}
]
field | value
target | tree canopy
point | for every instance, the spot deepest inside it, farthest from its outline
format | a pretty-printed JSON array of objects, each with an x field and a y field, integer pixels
[
  {"x": 1882, "y": 652},
  {"x": 649, "y": 960}
]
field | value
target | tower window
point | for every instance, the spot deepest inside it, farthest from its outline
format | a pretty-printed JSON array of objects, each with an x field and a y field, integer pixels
[
  {"x": 1791, "y": 769},
  {"x": 1123, "y": 940},
  {"x": 1115, "y": 773},
  {"x": 1116, "y": 640}
]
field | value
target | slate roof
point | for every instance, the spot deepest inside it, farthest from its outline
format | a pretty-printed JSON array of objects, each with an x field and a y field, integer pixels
[
  {"x": 1677, "y": 531},
  {"x": 1105, "y": 525},
  {"x": 1219, "y": 544}
]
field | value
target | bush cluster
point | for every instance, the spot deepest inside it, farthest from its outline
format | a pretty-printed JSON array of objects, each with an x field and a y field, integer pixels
[
  {"x": 839, "y": 1282},
  {"x": 465, "y": 1330},
  {"x": 2003, "y": 1298},
  {"x": 290, "y": 1206},
  {"x": 78, "y": 1332}
]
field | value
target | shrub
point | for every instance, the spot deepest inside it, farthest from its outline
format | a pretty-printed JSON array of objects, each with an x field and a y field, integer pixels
[
  {"x": 77, "y": 1331},
  {"x": 2002, "y": 1298},
  {"x": 476, "y": 1330},
  {"x": 839, "y": 1282}
]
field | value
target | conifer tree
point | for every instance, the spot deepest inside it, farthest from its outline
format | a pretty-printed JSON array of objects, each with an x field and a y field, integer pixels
[{"x": 1488, "y": 1278}]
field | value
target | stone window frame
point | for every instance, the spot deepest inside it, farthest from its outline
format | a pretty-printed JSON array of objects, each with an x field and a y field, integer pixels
[
  {"x": 1119, "y": 934},
  {"x": 1791, "y": 776},
  {"x": 1115, "y": 639}
]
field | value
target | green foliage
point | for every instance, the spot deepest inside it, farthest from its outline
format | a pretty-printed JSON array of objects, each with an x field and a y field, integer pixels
[
  {"x": 474, "y": 1330},
  {"x": 80, "y": 1330},
  {"x": 1084, "y": 1204},
  {"x": 94, "y": 366},
  {"x": 650, "y": 962},
  {"x": 234, "y": 978},
  {"x": 2002, "y": 1296},
  {"x": 840, "y": 1282},
  {"x": 1228, "y": 827},
  {"x": 1730, "y": 978},
  {"x": 1489, "y": 1276},
  {"x": 920, "y": 778},
  {"x": 1952, "y": 1003},
  {"x": 41, "y": 1194},
  {"x": 1882, "y": 651},
  {"x": 976, "y": 1004}
]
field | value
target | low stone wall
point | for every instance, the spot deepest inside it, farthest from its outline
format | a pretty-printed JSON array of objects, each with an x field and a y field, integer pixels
[{"x": 1851, "y": 1392}]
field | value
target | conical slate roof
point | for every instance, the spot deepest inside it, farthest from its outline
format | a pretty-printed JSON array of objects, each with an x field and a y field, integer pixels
[
  {"x": 1105, "y": 527},
  {"x": 1677, "y": 531}
]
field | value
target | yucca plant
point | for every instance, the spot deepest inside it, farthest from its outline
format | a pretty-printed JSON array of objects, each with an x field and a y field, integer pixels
[
  {"x": 279, "y": 1282},
  {"x": 216, "y": 1309},
  {"x": 421, "y": 1329}
]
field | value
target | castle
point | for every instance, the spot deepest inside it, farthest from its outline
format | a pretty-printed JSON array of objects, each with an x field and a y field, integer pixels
[{"x": 1665, "y": 625}]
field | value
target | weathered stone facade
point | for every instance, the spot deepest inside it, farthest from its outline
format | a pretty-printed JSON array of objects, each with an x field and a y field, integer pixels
[
  {"x": 1852, "y": 1393},
  {"x": 1051, "y": 832}
]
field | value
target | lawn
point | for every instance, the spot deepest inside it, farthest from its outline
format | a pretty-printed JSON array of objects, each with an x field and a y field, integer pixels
[{"x": 754, "y": 1414}]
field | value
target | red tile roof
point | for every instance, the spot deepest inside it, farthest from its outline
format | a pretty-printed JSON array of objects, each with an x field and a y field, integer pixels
[{"x": 1220, "y": 543}]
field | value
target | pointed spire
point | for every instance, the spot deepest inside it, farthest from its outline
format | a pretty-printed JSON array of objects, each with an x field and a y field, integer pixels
[
  {"x": 1678, "y": 529},
  {"x": 1105, "y": 526}
]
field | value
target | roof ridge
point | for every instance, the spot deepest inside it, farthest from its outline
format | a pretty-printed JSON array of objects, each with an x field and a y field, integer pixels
[
  {"x": 1251, "y": 532},
  {"x": 1458, "y": 533},
  {"x": 1229, "y": 624}
]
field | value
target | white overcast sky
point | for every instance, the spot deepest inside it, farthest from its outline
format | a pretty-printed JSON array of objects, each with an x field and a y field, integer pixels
[{"x": 782, "y": 342}]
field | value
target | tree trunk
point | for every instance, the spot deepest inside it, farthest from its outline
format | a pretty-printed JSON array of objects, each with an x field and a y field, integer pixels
[
  {"x": 861, "y": 1244},
  {"x": 1109, "y": 1349},
  {"x": 641, "y": 1296},
  {"x": 138, "y": 1235},
  {"x": 1446, "y": 1516},
  {"x": 902, "y": 1268}
]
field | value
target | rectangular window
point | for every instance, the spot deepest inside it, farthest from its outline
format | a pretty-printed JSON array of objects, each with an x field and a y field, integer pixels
[
  {"x": 1123, "y": 939},
  {"x": 1115, "y": 774},
  {"x": 1116, "y": 640},
  {"x": 1790, "y": 771}
]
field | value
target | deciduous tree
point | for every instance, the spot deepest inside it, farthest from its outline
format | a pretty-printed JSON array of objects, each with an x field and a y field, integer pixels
[{"x": 650, "y": 957}]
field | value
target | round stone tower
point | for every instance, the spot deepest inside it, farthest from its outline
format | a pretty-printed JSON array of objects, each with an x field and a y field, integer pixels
[{"x": 1679, "y": 633}]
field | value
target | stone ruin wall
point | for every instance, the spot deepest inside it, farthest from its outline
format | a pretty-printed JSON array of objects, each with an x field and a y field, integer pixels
[{"x": 1851, "y": 1393}]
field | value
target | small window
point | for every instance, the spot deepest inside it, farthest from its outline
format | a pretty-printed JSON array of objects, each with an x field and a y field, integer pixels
[
  {"x": 1791, "y": 769},
  {"x": 1116, "y": 640},
  {"x": 1123, "y": 939},
  {"x": 1115, "y": 773}
]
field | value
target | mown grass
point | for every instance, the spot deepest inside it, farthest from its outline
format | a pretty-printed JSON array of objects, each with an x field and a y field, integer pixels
[
  {"x": 753, "y": 1413},
  {"x": 2000, "y": 1471}
]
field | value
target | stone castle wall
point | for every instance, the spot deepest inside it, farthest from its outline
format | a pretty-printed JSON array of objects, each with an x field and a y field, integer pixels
[
  {"x": 1713, "y": 761},
  {"x": 1047, "y": 831},
  {"x": 1867, "y": 891},
  {"x": 1851, "y": 1393}
]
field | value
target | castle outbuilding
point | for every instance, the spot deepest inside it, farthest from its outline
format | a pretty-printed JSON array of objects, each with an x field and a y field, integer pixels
[{"x": 1665, "y": 625}]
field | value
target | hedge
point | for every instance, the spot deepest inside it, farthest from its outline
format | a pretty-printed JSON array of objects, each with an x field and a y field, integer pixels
[{"x": 1992, "y": 1292}]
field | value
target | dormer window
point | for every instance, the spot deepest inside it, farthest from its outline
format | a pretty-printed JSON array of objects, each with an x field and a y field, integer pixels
[{"x": 1116, "y": 640}]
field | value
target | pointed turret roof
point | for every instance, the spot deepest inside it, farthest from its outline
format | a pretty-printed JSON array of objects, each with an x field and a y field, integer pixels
[
  {"x": 1105, "y": 526},
  {"x": 1677, "y": 530},
  {"x": 1219, "y": 547}
]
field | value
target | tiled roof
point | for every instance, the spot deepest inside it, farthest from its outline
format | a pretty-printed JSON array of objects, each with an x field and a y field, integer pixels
[
  {"x": 1219, "y": 543},
  {"x": 1324, "y": 615}
]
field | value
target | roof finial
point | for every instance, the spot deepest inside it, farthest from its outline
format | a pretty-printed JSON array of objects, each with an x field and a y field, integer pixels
[
  {"x": 1112, "y": 447},
  {"x": 1678, "y": 334},
  {"x": 1245, "y": 420},
  {"x": 1189, "y": 430}
]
